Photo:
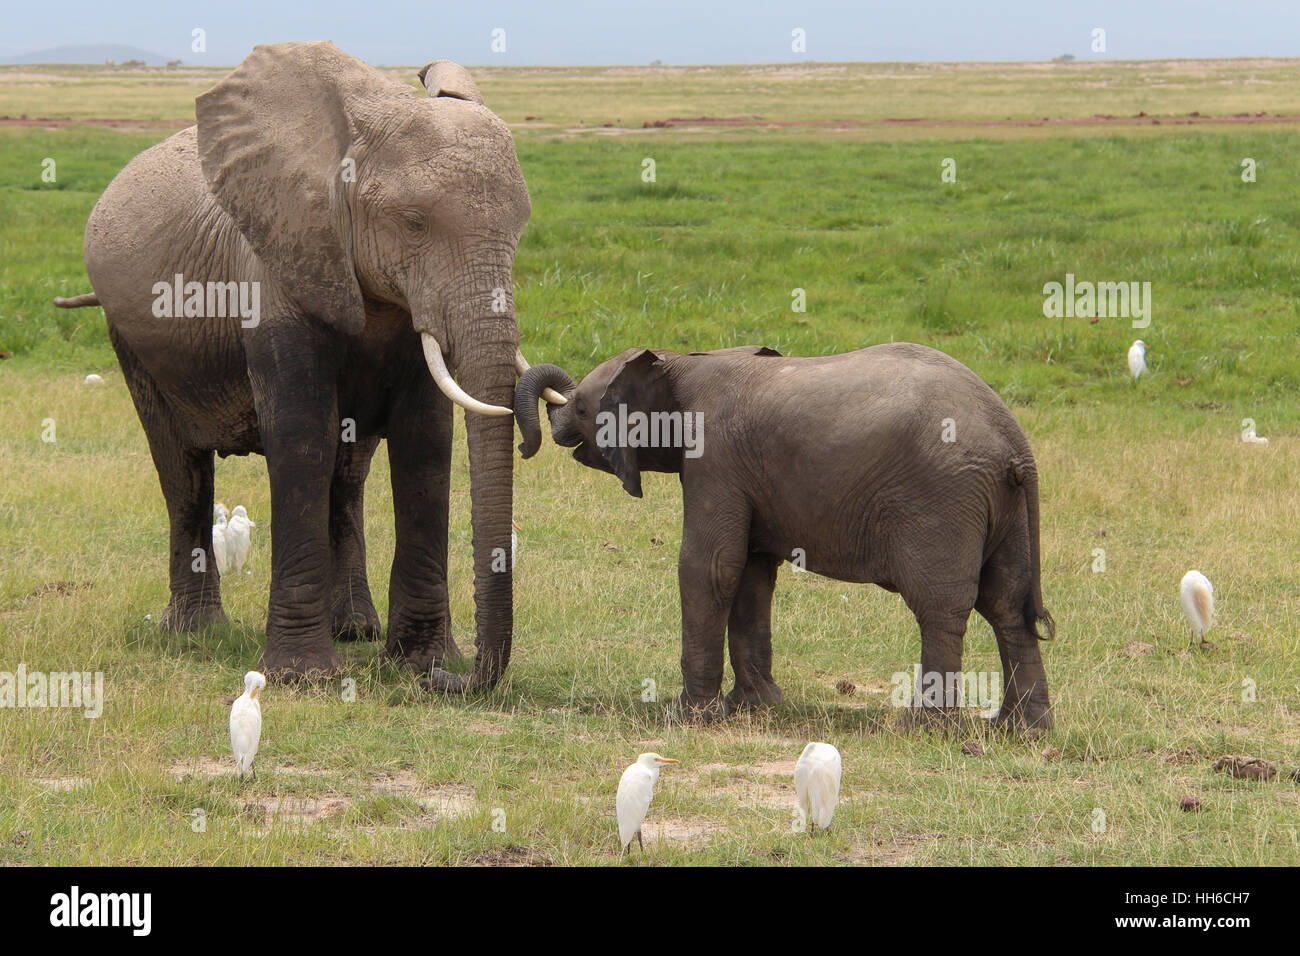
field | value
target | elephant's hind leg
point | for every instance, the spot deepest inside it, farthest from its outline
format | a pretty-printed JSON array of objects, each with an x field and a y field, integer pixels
[
  {"x": 749, "y": 636},
  {"x": 942, "y": 608},
  {"x": 353, "y": 616},
  {"x": 186, "y": 476},
  {"x": 1004, "y": 588}
]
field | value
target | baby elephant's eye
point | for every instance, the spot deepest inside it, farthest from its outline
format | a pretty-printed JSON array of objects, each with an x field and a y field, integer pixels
[{"x": 580, "y": 409}]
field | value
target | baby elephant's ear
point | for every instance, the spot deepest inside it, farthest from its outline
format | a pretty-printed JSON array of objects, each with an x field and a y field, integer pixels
[{"x": 639, "y": 385}]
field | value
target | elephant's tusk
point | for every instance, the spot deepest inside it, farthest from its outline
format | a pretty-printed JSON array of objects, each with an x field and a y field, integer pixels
[
  {"x": 551, "y": 395},
  {"x": 438, "y": 368}
]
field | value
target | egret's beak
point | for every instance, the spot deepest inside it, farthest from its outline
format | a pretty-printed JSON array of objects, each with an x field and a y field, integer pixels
[
  {"x": 664, "y": 760},
  {"x": 252, "y": 694},
  {"x": 515, "y": 526}
]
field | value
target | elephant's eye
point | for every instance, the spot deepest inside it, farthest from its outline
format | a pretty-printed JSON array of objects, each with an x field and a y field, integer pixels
[
  {"x": 414, "y": 221},
  {"x": 580, "y": 408}
]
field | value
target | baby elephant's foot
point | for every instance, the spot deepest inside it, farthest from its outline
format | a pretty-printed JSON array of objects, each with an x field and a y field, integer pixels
[
  {"x": 753, "y": 696},
  {"x": 697, "y": 710}
]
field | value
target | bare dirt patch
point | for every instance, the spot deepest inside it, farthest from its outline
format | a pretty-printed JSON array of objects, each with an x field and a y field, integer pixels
[
  {"x": 447, "y": 800},
  {"x": 265, "y": 811},
  {"x": 683, "y": 830},
  {"x": 900, "y": 849}
]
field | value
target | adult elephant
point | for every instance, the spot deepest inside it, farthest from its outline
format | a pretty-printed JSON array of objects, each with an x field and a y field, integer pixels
[{"x": 369, "y": 232}]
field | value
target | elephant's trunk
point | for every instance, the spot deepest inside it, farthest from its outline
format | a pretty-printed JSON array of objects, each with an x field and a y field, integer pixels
[
  {"x": 531, "y": 385},
  {"x": 486, "y": 372}
]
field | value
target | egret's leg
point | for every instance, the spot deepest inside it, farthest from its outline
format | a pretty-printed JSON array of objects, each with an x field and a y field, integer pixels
[{"x": 638, "y": 842}]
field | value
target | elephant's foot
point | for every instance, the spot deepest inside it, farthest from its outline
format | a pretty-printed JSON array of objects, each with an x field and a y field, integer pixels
[
  {"x": 698, "y": 709},
  {"x": 753, "y": 696},
  {"x": 355, "y": 621},
  {"x": 942, "y": 720},
  {"x": 418, "y": 645},
  {"x": 1033, "y": 715},
  {"x": 182, "y": 615},
  {"x": 291, "y": 662}
]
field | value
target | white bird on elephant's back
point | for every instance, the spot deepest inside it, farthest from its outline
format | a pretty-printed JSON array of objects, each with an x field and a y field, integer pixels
[
  {"x": 219, "y": 544},
  {"x": 239, "y": 538},
  {"x": 636, "y": 788},
  {"x": 1137, "y": 359},
  {"x": 1198, "y": 601},
  {"x": 246, "y": 722},
  {"x": 817, "y": 784}
]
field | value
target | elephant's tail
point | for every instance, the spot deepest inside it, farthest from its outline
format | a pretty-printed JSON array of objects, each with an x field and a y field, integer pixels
[
  {"x": 1026, "y": 475},
  {"x": 77, "y": 301}
]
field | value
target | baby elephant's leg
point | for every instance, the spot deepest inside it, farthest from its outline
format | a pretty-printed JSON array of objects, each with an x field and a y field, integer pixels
[
  {"x": 749, "y": 636},
  {"x": 709, "y": 571}
]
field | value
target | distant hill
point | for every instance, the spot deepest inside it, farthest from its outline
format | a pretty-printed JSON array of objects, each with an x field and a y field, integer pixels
[{"x": 95, "y": 53}]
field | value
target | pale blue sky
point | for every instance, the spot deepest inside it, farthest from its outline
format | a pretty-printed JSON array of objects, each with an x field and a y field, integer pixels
[{"x": 674, "y": 31}]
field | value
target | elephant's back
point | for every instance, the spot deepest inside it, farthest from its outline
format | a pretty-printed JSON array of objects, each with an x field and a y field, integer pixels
[
  {"x": 157, "y": 220},
  {"x": 149, "y": 207}
]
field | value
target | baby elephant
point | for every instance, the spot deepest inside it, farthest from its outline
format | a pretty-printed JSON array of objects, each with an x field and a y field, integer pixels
[{"x": 894, "y": 465}]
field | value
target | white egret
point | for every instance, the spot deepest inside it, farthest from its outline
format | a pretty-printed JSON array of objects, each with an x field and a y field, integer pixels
[
  {"x": 239, "y": 538},
  {"x": 1198, "y": 601},
  {"x": 219, "y": 544},
  {"x": 1137, "y": 359},
  {"x": 636, "y": 788},
  {"x": 220, "y": 511},
  {"x": 817, "y": 783},
  {"x": 93, "y": 379},
  {"x": 246, "y": 722}
]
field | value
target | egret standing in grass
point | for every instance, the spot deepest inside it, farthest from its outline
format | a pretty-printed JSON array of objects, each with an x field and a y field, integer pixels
[
  {"x": 219, "y": 544},
  {"x": 636, "y": 789},
  {"x": 1198, "y": 601},
  {"x": 817, "y": 784},
  {"x": 246, "y": 722},
  {"x": 239, "y": 538},
  {"x": 1137, "y": 359}
]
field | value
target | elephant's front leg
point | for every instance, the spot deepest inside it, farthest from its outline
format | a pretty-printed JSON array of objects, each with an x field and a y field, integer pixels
[
  {"x": 291, "y": 369},
  {"x": 749, "y": 636},
  {"x": 352, "y": 614},
  {"x": 419, "y": 454},
  {"x": 708, "y": 572}
]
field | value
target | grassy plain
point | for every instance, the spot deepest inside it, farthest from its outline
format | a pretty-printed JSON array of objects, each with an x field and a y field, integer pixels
[{"x": 1155, "y": 474}]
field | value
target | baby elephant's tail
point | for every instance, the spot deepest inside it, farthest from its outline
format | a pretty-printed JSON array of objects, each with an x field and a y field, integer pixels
[
  {"x": 1025, "y": 474},
  {"x": 77, "y": 301}
]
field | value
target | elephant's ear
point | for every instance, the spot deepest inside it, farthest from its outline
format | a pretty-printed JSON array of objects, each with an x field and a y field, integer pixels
[
  {"x": 639, "y": 385},
  {"x": 272, "y": 139},
  {"x": 445, "y": 78},
  {"x": 741, "y": 350}
]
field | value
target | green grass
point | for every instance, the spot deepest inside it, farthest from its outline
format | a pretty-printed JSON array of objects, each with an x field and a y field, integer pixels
[{"x": 1155, "y": 474}]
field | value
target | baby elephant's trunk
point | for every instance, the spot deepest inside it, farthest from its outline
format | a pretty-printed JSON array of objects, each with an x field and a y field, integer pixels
[{"x": 527, "y": 392}]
